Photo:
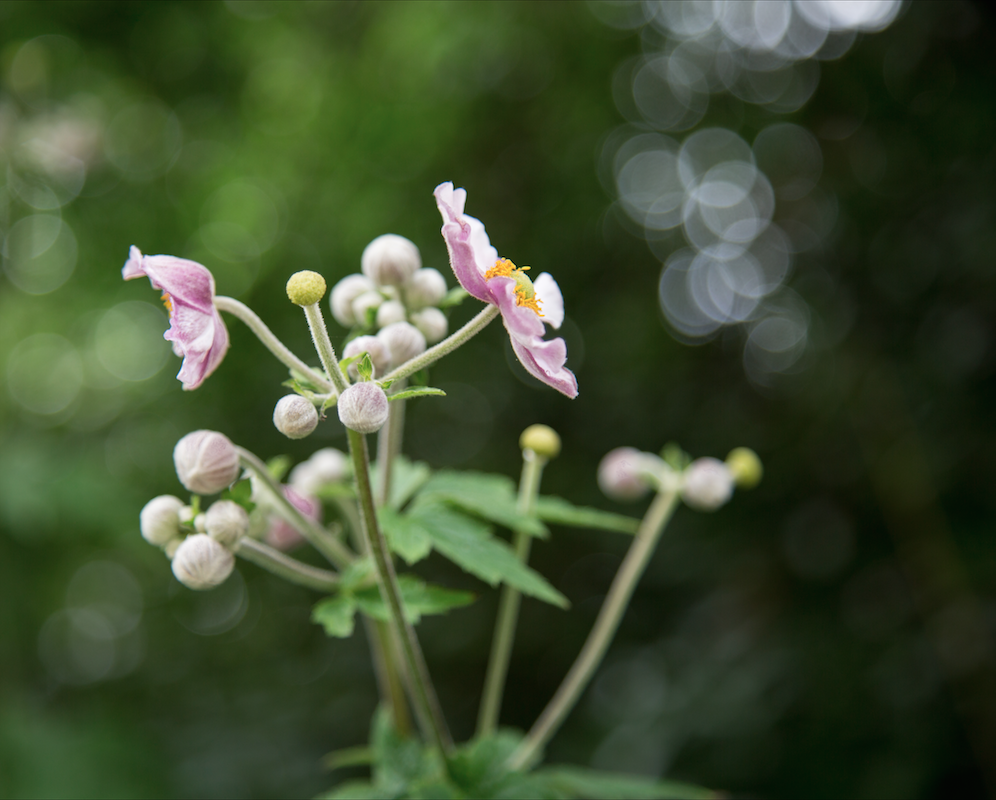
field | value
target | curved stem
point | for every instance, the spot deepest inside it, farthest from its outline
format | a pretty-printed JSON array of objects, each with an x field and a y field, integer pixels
[
  {"x": 283, "y": 566},
  {"x": 508, "y": 607},
  {"x": 320, "y": 336},
  {"x": 420, "y": 684},
  {"x": 601, "y": 635},
  {"x": 320, "y": 539},
  {"x": 448, "y": 345},
  {"x": 267, "y": 337}
]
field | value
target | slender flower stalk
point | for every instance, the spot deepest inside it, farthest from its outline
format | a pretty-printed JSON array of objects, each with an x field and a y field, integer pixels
[
  {"x": 320, "y": 336},
  {"x": 508, "y": 607},
  {"x": 602, "y": 633},
  {"x": 283, "y": 566},
  {"x": 389, "y": 444},
  {"x": 420, "y": 684},
  {"x": 269, "y": 340},
  {"x": 448, "y": 345},
  {"x": 320, "y": 539}
]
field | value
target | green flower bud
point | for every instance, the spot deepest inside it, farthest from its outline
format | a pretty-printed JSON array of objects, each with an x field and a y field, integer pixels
[
  {"x": 745, "y": 466},
  {"x": 542, "y": 440},
  {"x": 305, "y": 288}
]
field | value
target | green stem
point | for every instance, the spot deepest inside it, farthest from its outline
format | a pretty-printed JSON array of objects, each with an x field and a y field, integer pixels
[
  {"x": 320, "y": 336},
  {"x": 420, "y": 684},
  {"x": 448, "y": 345},
  {"x": 267, "y": 337},
  {"x": 389, "y": 444},
  {"x": 508, "y": 606},
  {"x": 320, "y": 539},
  {"x": 602, "y": 633},
  {"x": 283, "y": 566}
]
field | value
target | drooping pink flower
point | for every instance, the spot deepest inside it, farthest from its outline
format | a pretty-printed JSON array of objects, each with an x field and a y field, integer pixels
[
  {"x": 281, "y": 534},
  {"x": 196, "y": 328},
  {"x": 524, "y": 304}
]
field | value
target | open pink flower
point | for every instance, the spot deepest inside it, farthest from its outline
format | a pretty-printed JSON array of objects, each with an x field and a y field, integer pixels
[
  {"x": 196, "y": 328},
  {"x": 524, "y": 304}
]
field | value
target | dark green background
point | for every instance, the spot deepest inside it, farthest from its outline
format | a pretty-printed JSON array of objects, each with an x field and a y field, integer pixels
[{"x": 829, "y": 634}]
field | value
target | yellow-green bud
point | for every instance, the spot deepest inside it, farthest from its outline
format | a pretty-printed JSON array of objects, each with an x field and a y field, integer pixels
[
  {"x": 745, "y": 466},
  {"x": 542, "y": 440},
  {"x": 305, "y": 288}
]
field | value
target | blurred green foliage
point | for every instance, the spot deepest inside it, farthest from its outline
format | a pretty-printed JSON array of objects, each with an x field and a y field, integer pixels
[{"x": 828, "y": 634}]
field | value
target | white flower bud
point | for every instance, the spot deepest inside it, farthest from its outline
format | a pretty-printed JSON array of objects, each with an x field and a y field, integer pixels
[
  {"x": 403, "y": 341},
  {"x": 325, "y": 466},
  {"x": 171, "y": 547},
  {"x": 343, "y": 295},
  {"x": 226, "y": 522},
  {"x": 201, "y": 563},
  {"x": 708, "y": 484},
  {"x": 295, "y": 416},
  {"x": 391, "y": 311},
  {"x": 159, "y": 521},
  {"x": 186, "y": 515},
  {"x": 390, "y": 260},
  {"x": 363, "y": 407},
  {"x": 623, "y": 474},
  {"x": 379, "y": 354},
  {"x": 427, "y": 287},
  {"x": 199, "y": 524},
  {"x": 364, "y": 303},
  {"x": 432, "y": 322},
  {"x": 206, "y": 462}
]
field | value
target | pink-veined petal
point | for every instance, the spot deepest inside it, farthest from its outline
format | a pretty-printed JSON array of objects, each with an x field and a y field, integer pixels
[
  {"x": 551, "y": 300},
  {"x": 460, "y": 238},
  {"x": 545, "y": 360}
]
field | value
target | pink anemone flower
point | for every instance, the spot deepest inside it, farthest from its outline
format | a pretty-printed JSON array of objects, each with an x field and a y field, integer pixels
[
  {"x": 196, "y": 329},
  {"x": 524, "y": 304}
]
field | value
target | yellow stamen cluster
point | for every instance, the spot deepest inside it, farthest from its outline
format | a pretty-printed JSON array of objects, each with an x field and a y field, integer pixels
[
  {"x": 167, "y": 302},
  {"x": 525, "y": 295}
]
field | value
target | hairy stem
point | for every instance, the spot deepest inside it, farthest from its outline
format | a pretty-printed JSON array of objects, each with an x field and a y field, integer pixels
[
  {"x": 320, "y": 336},
  {"x": 389, "y": 444},
  {"x": 601, "y": 635},
  {"x": 283, "y": 566}
]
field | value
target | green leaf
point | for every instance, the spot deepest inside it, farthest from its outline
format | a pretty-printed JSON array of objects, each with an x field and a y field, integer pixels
[
  {"x": 479, "y": 767},
  {"x": 332, "y": 491},
  {"x": 596, "y": 785},
  {"x": 417, "y": 596},
  {"x": 470, "y": 544},
  {"x": 561, "y": 512},
  {"x": 330, "y": 401},
  {"x": 407, "y": 477},
  {"x": 301, "y": 384},
  {"x": 365, "y": 366},
  {"x": 675, "y": 457},
  {"x": 278, "y": 466},
  {"x": 357, "y": 575},
  {"x": 417, "y": 391},
  {"x": 454, "y": 297},
  {"x": 400, "y": 761},
  {"x": 491, "y": 497},
  {"x": 348, "y": 757},
  {"x": 357, "y": 790},
  {"x": 240, "y": 493},
  {"x": 336, "y": 615},
  {"x": 405, "y": 537}
]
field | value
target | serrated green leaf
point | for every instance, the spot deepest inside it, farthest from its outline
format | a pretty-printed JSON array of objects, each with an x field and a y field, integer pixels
[
  {"x": 479, "y": 767},
  {"x": 590, "y": 784},
  {"x": 357, "y": 575},
  {"x": 407, "y": 477},
  {"x": 364, "y": 367},
  {"x": 336, "y": 615},
  {"x": 417, "y": 596},
  {"x": 400, "y": 761},
  {"x": 240, "y": 493},
  {"x": 454, "y": 297},
  {"x": 491, "y": 497},
  {"x": 561, "y": 512},
  {"x": 278, "y": 466},
  {"x": 470, "y": 544},
  {"x": 417, "y": 391},
  {"x": 347, "y": 757},
  {"x": 405, "y": 537},
  {"x": 301, "y": 384}
]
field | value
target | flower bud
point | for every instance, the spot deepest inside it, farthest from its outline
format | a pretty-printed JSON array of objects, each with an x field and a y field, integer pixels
[
  {"x": 427, "y": 287},
  {"x": 295, "y": 416},
  {"x": 281, "y": 534},
  {"x": 187, "y": 515},
  {"x": 432, "y": 323},
  {"x": 391, "y": 311},
  {"x": 325, "y": 466},
  {"x": 226, "y": 522},
  {"x": 542, "y": 440},
  {"x": 159, "y": 521},
  {"x": 172, "y": 546},
  {"x": 305, "y": 288},
  {"x": 390, "y": 260},
  {"x": 745, "y": 466},
  {"x": 624, "y": 474},
  {"x": 343, "y": 295},
  {"x": 363, "y": 304},
  {"x": 206, "y": 462},
  {"x": 380, "y": 356},
  {"x": 201, "y": 563},
  {"x": 708, "y": 484},
  {"x": 403, "y": 341},
  {"x": 363, "y": 407}
]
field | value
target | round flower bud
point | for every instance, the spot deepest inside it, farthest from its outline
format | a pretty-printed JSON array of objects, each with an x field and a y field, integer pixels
[
  {"x": 226, "y": 522},
  {"x": 206, "y": 462},
  {"x": 281, "y": 534},
  {"x": 363, "y": 304},
  {"x": 432, "y": 322},
  {"x": 171, "y": 547},
  {"x": 391, "y": 311},
  {"x": 542, "y": 440},
  {"x": 187, "y": 516},
  {"x": 295, "y": 416},
  {"x": 427, "y": 287},
  {"x": 325, "y": 466},
  {"x": 403, "y": 341},
  {"x": 159, "y": 520},
  {"x": 305, "y": 288},
  {"x": 708, "y": 484},
  {"x": 622, "y": 474},
  {"x": 201, "y": 563},
  {"x": 745, "y": 466},
  {"x": 363, "y": 407},
  {"x": 343, "y": 295},
  {"x": 390, "y": 260},
  {"x": 380, "y": 356},
  {"x": 199, "y": 524}
]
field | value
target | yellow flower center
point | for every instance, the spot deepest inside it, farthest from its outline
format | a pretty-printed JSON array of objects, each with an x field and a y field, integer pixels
[
  {"x": 525, "y": 294},
  {"x": 167, "y": 302}
]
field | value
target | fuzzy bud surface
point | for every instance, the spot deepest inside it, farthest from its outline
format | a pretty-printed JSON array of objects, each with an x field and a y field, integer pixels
[
  {"x": 343, "y": 295},
  {"x": 380, "y": 356},
  {"x": 427, "y": 287},
  {"x": 622, "y": 474},
  {"x": 305, "y": 288},
  {"x": 542, "y": 440},
  {"x": 364, "y": 304},
  {"x": 206, "y": 462},
  {"x": 390, "y": 260},
  {"x": 295, "y": 416},
  {"x": 403, "y": 341},
  {"x": 363, "y": 407},
  {"x": 391, "y": 311},
  {"x": 325, "y": 466},
  {"x": 202, "y": 563},
  {"x": 159, "y": 520},
  {"x": 432, "y": 323},
  {"x": 226, "y": 522},
  {"x": 708, "y": 484}
]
